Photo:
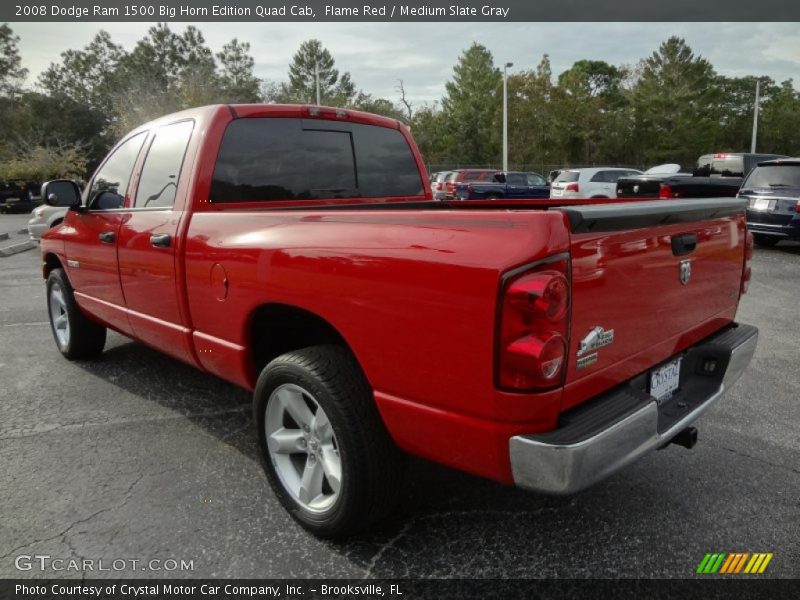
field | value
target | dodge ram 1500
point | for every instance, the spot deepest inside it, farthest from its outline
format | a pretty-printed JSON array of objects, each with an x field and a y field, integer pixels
[{"x": 296, "y": 251}]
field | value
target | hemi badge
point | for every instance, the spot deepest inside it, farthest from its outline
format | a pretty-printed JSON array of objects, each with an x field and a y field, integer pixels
[
  {"x": 73, "y": 263},
  {"x": 596, "y": 338},
  {"x": 585, "y": 361}
]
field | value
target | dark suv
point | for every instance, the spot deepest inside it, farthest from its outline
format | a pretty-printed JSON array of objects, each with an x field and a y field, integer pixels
[
  {"x": 773, "y": 189},
  {"x": 18, "y": 195}
]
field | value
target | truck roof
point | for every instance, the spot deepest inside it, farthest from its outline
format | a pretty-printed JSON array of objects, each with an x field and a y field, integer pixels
[{"x": 304, "y": 111}]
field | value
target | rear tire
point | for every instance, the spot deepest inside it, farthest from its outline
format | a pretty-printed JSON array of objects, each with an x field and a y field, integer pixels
[
  {"x": 75, "y": 335},
  {"x": 765, "y": 241},
  {"x": 327, "y": 453}
]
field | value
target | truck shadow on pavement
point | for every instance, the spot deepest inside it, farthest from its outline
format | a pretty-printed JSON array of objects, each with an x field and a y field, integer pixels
[{"x": 439, "y": 508}]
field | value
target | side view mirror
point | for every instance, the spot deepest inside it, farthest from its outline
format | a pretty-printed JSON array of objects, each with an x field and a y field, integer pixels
[
  {"x": 106, "y": 200},
  {"x": 61, "y": 192}
]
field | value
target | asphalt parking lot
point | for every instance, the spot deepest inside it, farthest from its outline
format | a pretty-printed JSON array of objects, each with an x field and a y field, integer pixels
[{"x": 137, "y": 456}]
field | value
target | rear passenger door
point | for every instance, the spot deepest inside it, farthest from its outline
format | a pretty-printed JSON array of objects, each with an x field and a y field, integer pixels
[{"x": 148, "y": 243}]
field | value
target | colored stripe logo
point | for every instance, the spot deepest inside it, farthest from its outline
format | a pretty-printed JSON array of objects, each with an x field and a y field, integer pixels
[{"x": 734, "y": 563}]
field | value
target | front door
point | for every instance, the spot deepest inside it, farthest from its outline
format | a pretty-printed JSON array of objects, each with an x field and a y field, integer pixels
[{"x": 91, "y": 237}]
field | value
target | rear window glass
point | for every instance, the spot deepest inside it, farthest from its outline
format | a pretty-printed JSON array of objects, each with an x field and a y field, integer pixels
[
  {"x": 568, "y": 176},
  {"x": 728, "y": 166},
  {"x": 774, "y": 176},
  {"x": 296, "y": 159}
]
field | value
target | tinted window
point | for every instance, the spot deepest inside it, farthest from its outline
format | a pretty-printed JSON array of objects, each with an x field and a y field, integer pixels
[
  {"x": 162, "y": 167},
  {"x": 516, "y": 179},
  {"x": 286, "y": 159},
  {"x": 568, "y": 176},
  {"x": 115, "y": 174},
  {"x": 774, "y": 176},
  {"x": 720, "y": 166},
  {"x": 600, "y": 177}
]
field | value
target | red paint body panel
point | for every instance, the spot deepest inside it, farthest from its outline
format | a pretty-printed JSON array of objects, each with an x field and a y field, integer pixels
[
  {"x": 413, "y": 291},
  {"x": 629, "y": 281}
]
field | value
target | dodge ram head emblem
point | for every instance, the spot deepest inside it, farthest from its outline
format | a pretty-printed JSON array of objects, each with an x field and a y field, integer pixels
[{"x": 686, "y": 271}]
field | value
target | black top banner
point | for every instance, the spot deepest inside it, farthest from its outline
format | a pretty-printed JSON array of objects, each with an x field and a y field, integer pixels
[{"x": 416, "y": 11}]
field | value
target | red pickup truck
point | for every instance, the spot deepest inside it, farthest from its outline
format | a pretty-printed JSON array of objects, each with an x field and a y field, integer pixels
[{"x": 296, "y": 251}]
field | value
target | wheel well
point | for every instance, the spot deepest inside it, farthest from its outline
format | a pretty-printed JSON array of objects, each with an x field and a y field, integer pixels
[
  {"x": 278, "y": 328},
  {"x": 51, "y": 262}
]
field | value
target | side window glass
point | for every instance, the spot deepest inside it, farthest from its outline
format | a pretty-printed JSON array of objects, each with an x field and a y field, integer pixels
[
  {"x": 162, "y": 167},
  {"x": 534, "y": 179},
  {"x": 110, "y": 184}
]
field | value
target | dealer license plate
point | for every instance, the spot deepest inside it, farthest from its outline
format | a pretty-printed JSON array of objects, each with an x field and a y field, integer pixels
[
  {"x": 665, "y": 380},
  {"x": 762, "y": 204}
]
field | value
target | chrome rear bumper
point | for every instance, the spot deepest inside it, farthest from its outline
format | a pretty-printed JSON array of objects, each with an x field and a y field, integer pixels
[{"x": 613, "y": 430}]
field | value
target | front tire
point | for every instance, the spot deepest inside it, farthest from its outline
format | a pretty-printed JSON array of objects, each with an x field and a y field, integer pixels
[
  {"x": 76, "y": 336},
  {"x": 327, "y": 453},
  {"x": 765, "y": 241}
]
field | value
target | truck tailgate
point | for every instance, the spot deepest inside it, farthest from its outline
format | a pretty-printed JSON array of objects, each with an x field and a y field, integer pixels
[{"x": 648, "y": 280}]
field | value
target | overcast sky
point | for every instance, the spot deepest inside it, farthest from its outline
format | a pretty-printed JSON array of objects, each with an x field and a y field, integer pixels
[{"x": 423, "y": 55}]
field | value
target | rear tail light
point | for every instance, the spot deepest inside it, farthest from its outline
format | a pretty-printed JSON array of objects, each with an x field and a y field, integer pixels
[
  {"x": 572, "y": 187},
  {"x": 665, "y": 192},
  {"x": 533, "y": 327},
  {"x": 439, "y": 186},
  {"x": 748, "y": 255},
  {"x": 797, "y": 208}
]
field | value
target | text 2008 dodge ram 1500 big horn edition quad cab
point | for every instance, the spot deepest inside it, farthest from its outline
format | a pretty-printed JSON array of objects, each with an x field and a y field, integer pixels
[{"x": 296, "y": 251}]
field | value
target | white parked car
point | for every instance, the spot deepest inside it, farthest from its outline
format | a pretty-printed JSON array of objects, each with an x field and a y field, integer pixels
[
  {"x": 43, "y": 218},
  {"x": 594, "y": 182}
]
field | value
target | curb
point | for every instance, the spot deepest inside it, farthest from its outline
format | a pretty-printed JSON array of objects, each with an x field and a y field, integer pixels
[{"x": 17, "y": 248}]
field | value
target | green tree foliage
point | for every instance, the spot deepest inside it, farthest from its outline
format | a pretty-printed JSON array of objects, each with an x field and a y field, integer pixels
[
  {"x": 670, "y": 107},
  {"x": 86, "y": 76},
  {"x": 238, "y": 84},
  {"x": 675, "y": 105},
  {"x": 12, "y": 74},
  {"x": 532, "y": 112},
  {"x": 312, "y": 58},
  {"x": 165, "y": 72},
  {"x": 779, "y": 131},
  {"x": 40, "y": 163},
  {"x": 469, "y": 108}
]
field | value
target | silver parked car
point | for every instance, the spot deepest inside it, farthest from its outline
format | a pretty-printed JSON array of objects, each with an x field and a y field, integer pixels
[
  {"x": 438, "y": 186},
  {"x": 43, "y": 218}
]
